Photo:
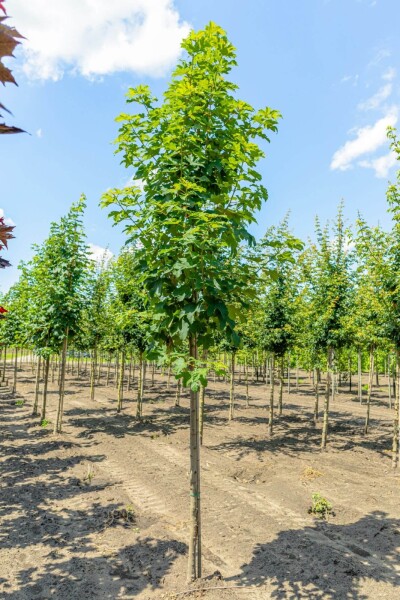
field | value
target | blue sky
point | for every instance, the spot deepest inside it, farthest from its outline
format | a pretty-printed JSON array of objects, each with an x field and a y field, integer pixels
[{"x": 332, "y": 67}]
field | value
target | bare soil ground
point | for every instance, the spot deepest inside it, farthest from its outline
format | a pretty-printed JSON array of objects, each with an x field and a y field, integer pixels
[{"x": 101, "y": 510}]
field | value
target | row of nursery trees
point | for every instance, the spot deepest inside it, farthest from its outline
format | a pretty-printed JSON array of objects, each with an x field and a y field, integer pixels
[
  {"x": 328, "y": 307},
  {"x": 192, "y": 285}
]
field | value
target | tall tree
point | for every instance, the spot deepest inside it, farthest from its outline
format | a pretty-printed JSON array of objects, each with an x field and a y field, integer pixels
[
  {"x": 60, "y": 267},
  {"x": 330, "y": 282},
  {"x": 195, "y": 189},
  {"x": 393, "y": 285},
  {"x": 277, "y": 254}
]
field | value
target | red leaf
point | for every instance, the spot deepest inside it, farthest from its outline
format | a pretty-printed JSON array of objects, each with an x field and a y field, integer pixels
[
  {"x": 5, "y": 232},
  {"x": 9, "y": 129},
  {"x": 4, "y": 263}
]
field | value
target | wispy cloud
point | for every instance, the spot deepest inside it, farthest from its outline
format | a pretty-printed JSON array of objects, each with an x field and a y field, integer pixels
[
  {"x": 381, "y": 165},
  {"x": 94, "y": 39},
  {"x": 379, "y": 56},
  {"x": 389, "y": 74},
  {"x": 353, "y": 79},
  {"x": 377, "y": 99},
  {"x": 368, "y": 139}
]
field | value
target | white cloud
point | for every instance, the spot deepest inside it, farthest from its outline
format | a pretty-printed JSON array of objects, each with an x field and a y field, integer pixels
[
  {"x": 377, "y": 99},
  {"x": 98, "y": 37},
  {"x": 7, "y": 220},
  {"x": 350, "y": 78},
  {"x": 136, "y": 182},
  {"x": 380, "y": 55},
  {"x": 381, "y": 165},
  {"x": 99, "y": 254},
  {"x": 389, "y": 74},
  {"x": 39, "y": 133},
  {"x": 368, "y": 139}
]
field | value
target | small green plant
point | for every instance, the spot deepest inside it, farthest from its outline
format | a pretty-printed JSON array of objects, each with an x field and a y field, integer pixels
[
  {"x": 89, "y": 474},
  {"x": 20, "y": 402},
  {"x": 44, "y": 423},
  {"x": 130, "y": 513},
  {"x": 320, "y": 507}
]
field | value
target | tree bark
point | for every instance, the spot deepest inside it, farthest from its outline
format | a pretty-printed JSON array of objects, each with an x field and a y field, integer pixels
[
  {"x": 326, "y": 403},
  {"x": 140, "y": 388},
  {"x": 280, "y": 400},
  {"x": 194, "y": 563},
  {"x": 396, "y": 419},
  {"x": 4, "y": 365},
  {"x": 45, "y": 384},
  {"x": 60, "y": 410},
  {"x": 271, "y": 398},
  {"x": 93, "y": 373},
  {"x": 14, "y": 388},
  {"x": 178, "y": 393},
  {"x": 316, "y": 401},
  {"x": 232, "y": 388},
  {"x": 37, "y": 382},
  {"x": 121, "y": 382},
  {"x": 108, "y": 370},
  {"x": 247, "y": 382},
  {"x": 370, "y": 378}
]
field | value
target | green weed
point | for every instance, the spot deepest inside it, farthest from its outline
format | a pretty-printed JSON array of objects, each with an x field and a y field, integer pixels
[{"x": 320, "y": 507}]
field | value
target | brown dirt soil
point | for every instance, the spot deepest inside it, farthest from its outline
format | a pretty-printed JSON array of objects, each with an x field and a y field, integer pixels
[{"x": 100, "y": 511}]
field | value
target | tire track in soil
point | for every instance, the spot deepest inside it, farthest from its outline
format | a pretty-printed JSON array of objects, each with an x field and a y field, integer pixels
[{"x": 232, "y": 518}]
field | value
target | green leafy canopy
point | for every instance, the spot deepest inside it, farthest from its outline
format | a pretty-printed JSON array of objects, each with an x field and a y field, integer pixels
[{"x": 194, "y": 190}]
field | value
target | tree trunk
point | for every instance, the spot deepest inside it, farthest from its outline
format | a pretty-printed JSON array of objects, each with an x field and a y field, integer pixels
[
  {"x": 359, "y": 367},
  {"x": 370, "y": 378},
  {"x": 4, "y": 365},
  {"x": 396, "y": 420},
  {"x": 93, "y": 373},
  {"x": 108, "y": 370},
  {"x": 169, "y": 377},
  {"x": 350, "y": 374},
  {"x": 202, "y": 400},
  {"x": 60, "y": 410},
  {"x": 116, "y": 370},
  {"x": 247, "y": 382},
  {"x": 316, "y": 401},
  {"x": 14, "y": 388},
  {"x": 202, "y": 407},
  {"x": 194, "y": 563},
  {"x": 45, "y": 384},
  {"x": 140, "y": 387},
  {"x": 121, "y": 382},
  {"x": 271, "y": 398},
  {"x": 129, "y": 383},
  {"x": 232, "y": 388},
  {"x": 178, "y": 392},
  {"x": 37, "y": 382},
  {"x": 280, "y": 407},
  {"x": 326, "y": 403}
]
